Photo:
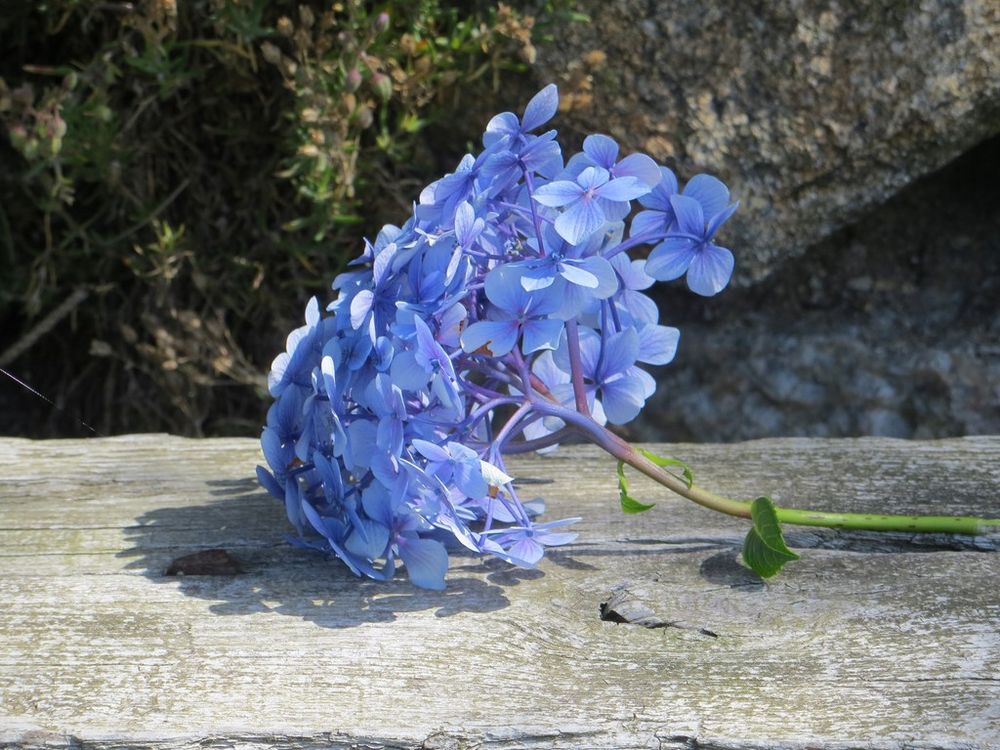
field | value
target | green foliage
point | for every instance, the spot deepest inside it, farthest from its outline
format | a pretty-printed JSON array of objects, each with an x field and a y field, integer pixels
[
  {"x": 629, "y": 504},
  {"x": 200, "y": 169},
  {"x": 686, "y": 474},
  {"x": 764, "y": 550}
]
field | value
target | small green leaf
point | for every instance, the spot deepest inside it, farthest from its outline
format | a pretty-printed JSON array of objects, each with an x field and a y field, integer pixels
[
  {"x": 662, "y": 461},
  {"x": 629, "y": 503},
  {"x": 764, "y": 550}
]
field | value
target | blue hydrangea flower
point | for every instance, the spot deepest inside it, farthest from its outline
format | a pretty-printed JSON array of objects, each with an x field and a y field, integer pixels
[
  {"x": 688, "y": 246},
  {"x": 589, "y": 202},
  {"x": 517, "y": 314},
  {"x": 504, "y": 315}
]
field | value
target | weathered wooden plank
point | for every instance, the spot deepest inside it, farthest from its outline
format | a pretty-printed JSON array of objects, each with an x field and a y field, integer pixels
[{"x": 864, "y": 643}]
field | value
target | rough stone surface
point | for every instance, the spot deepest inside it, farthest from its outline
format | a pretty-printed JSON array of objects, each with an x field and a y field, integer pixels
[
  {"x": 813, "y": 111},
  {"x": 865, "y": 299},
  {"x": 890, "y": 327}
]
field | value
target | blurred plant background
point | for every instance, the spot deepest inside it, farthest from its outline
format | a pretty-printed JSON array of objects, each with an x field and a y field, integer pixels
[{"x": 176, "y": 179}]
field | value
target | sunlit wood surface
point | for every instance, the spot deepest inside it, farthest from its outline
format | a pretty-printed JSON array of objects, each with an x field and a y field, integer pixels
[{"x": 869, "y": 641}]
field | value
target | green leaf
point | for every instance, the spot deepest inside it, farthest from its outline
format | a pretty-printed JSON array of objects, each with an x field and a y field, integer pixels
[
  {"x": 764, "y": 550},
  {"x": 629, "y": 503},
  {"x": 662, "y": 461}
]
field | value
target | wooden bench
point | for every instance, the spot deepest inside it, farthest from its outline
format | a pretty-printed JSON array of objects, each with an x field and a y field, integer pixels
[{"x": 870, "y": 641}]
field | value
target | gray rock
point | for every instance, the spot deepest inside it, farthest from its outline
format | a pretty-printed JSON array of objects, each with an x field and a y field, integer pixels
[
  {"x": 915, "y": 352},
  {"x": 814, "y": 111}
]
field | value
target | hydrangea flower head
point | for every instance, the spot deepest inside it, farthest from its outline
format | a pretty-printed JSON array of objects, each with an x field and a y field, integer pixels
[{"x": 503, "y": 312}]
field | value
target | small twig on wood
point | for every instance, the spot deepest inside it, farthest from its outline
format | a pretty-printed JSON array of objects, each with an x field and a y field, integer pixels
[{"x": 43, "y": 326}]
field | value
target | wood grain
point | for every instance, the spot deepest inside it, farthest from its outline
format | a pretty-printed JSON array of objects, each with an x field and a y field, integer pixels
[{"x": 872, "y": 642}]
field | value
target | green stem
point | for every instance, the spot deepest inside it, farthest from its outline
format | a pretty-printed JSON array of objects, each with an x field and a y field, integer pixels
[
  {"x": 885, "y": 522},
  {"x": 868, "y": 521},
  {"x": 625, "y": 451}
]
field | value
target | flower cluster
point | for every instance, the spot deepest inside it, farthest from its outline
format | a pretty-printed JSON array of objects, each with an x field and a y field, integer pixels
[{"x": 504, "y": 315}]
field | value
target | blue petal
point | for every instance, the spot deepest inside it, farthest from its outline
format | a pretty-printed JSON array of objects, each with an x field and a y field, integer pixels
[
  {"x": 536, "y": 279},
  {"x": 659, "y": 198},
  {"x": 431, "y": 451},
  {"x": 362, "y": 442},
  {"x": 360, "y": 348},
  {"x": 541, "y": 108},
  {"x": 574, "y": 274},
  {"x": 465, "y": 217},
  {"x": 361, "y": 305},
  {"x": 269, "y": 483},
  {"x": 580, "y": 221},
  {"x": 601, "y": 269},
  {"x": 504, "y": 289},
  {"x": 449, "y": 186},
  {"x": 499, "y": 126},
  {"x": 632, "y": 272},
  {"x": 639, "y": 166},
  {"x": 384, "y": 351},
  {"x": 620, "y": 352},
  {"x": 333, "y": 483},
  {"x": 556, "y": 539},
  {"x": 658, "y": 344},
  {"x": 429, "y": 350},
  {"x": 294, "y": 501},
  {"x": 671, "y": 258},
  {"x": 276, "y": 377},
  {"x": 650, "y": 222},
  {"x": 377, "y": 503},
  {"x": 498, "y": 337},
  {"x": 312, "y": 312},
  {"x": 645, "y": 380},
  {"x": 426, "y": 562},
  {"x": 720, "y": 218},
  {"x": 541, "y": 334},
  {"x": 622, "y": 189},
  {"x": 382, "y": 263},
  {"x": 590, "y": 352},
  {"x": 710, "y": 270},
  {"x": 710, "y": 192},
  {"x": 406, "y": 373},
  {"x": 278, "y": 456},
  {"x": 527, "y": 550},
  {"x": 558, "y": 193},
  {"x": 368, "y": 540},
  {"x": 690, "y": 217},
  {"x": 329, "y": 372},
  {"x": 468, "y": 477},
  {"x": 593, "y": 177},
  {"x": 389, "y": 436},
  {"x": 640, "y": 307},
  {"x": 285, "y": 414},
  {"x": 601, "y": 149},
  {"x": 543, "y": 156},
  {"x": 623, "y": 399},
  {"x": 614, "y": 210}
]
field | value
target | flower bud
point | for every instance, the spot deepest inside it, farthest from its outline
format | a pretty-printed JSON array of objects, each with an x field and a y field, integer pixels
[
  {"x": 382, "y": 85},
  {"x": 271, "y": 53},
  {"x": 18, "y": 136},
  {"x": 381, "y": 22},
  {"x": 57, "y": 128},
  {"x": 306, "y": 16},
  {"x": 364, "y": 116},
  {"x": 353, "y": 80}
]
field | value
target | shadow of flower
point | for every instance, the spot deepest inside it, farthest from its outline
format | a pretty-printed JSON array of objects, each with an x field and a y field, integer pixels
[{"x": 273, "y": 576}]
